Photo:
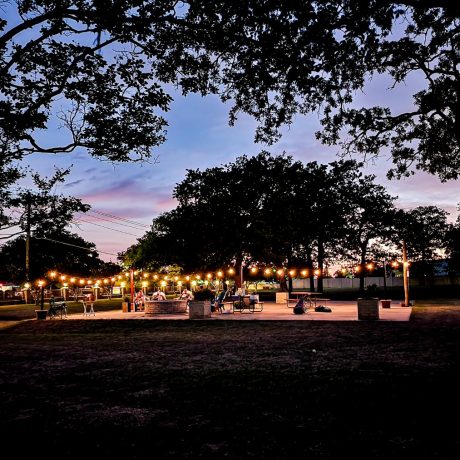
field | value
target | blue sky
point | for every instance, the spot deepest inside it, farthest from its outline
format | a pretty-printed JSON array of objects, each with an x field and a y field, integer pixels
[{"x": 199, "y": 137}]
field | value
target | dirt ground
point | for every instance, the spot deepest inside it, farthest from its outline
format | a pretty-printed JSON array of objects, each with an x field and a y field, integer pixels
[{"x": 232, "y": 389}]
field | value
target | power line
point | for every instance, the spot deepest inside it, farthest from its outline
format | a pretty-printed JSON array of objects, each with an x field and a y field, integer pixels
[
  {"x": 120, "y": 218},
  {"x": 117, "y": 223},
  {"x": 103, "y": 226},
  {"x": 75, "y": 246}
]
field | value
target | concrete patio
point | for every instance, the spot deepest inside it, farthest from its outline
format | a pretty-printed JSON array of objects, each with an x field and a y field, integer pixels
[{"x": 341, "y": 311}]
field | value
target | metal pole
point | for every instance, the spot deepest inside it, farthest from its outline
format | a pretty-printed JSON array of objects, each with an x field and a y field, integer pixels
[
  {"x": 28, "y": 237},
  {"x": 42, "y": 297}
]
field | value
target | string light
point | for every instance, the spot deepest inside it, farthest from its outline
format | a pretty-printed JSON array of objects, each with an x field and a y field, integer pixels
[{"x": 197, "y": 278}]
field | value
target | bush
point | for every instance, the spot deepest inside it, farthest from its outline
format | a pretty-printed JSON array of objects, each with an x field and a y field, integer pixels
[{"x": 203, "y": 294}]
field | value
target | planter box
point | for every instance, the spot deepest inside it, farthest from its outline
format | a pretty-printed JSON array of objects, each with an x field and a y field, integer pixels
[
  {"x": 281, "y": 297},
  {"x": 41, "y": 314},
  {"x": 125, "y": 307},
  {"x": 199, "y": 309},
  {"x": 386, "y": 303},
  {"x": 368, "y": 309},
  {"x": 165, "y": 307}
]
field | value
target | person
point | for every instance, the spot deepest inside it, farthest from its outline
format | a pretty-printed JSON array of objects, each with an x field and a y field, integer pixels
[
  {"x": 159, "y": 295},
  {"x": 254, "y": 298},
  {"x": 186, "y": 295},
  {"x": 139, "y": 300},
  {"x": 220, "y": 300}
]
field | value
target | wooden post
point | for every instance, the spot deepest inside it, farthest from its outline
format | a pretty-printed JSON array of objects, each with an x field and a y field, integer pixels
[
  {"x": 405, "y": 276},
  {"x": 385, "y": 278},
  {"x": 131, "y": 273}
]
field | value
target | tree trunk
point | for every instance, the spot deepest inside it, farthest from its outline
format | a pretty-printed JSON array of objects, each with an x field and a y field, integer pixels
[
  {"x": 310, "y": 272},
  {"x": 362, "y": 270},
  {"x": 319, "y": 282}
]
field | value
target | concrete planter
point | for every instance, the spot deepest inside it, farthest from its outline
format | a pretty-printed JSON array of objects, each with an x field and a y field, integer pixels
[
  {"x": 41, "y": 314},
  {"x": 368, "y": 309},
  {"x": 281, "y": 297},
  {"x": 386, "y": 303},
  {"x": 199, "y": 309}
]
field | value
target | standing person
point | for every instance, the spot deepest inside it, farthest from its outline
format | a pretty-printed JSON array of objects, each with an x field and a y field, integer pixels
[{"x": 139, "y": 300}]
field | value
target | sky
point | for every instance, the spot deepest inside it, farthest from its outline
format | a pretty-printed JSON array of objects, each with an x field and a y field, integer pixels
[{"x": 199, "y": 137}]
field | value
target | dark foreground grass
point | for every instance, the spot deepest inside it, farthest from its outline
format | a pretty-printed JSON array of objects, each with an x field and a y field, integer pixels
[{"x": 224, "y": 389}]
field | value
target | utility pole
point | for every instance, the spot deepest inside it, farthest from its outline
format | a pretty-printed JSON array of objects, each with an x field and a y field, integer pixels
[
  {"x": 28, "y": 215},
  {"x": 405, "y": 276}
]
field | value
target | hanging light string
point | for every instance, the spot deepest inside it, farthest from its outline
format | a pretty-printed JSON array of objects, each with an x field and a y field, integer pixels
[{"x": 196, "y": 278}]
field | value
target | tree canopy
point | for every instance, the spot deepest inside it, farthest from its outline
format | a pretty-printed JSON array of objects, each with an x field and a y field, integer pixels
[
  {"x": 102, "y": 69},
  {"x": 268, "y": 210},
  {"x": 57, "y": 249}
]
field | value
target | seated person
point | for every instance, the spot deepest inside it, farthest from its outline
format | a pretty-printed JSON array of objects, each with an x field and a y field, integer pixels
[
  {"x": 159, "y": 295},
  {"x": 186, "y": 295},
  {"x": 220, "y": 300},
  {"x": 254, "y": 298}
]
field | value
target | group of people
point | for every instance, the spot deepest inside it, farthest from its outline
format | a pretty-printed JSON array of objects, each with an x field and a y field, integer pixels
[
  {"x": 226, "y": 292},
  {"x": 140, "y": 297}
]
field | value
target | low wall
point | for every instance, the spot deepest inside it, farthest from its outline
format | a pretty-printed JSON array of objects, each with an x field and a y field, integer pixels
[{"x": 164, "y": 307}]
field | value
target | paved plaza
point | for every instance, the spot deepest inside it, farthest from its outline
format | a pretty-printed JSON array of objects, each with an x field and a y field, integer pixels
[{"x": 341, "y": 311}]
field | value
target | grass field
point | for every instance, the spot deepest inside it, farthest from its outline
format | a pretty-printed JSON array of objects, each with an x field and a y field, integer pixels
[{"x": 233, "y": 389}]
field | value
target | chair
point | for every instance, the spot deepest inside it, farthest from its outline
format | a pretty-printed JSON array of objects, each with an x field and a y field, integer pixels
[
  {"x": 57, "y": 307},
  {"x": 88, "y": 308}
]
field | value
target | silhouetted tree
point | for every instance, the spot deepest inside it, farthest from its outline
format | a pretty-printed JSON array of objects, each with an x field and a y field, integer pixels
[
  {"x": 106, "y": 62},
  {"x": 369, "y": 218},
  {"x": 55, "y": 250},
  {"x": 424, "y": 229}
]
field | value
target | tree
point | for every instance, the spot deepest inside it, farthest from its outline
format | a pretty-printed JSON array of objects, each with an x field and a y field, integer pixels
[
  {"x": 453, "y": 246},
  {"x": 424, "y": 230},
  {"x": 103, "y": 75},
  {"x": 38, "y": 211},
  {"x": 57, "y": 249},
  {"x": 369, "y": 219},
  {"x": 240, "y": 212}
]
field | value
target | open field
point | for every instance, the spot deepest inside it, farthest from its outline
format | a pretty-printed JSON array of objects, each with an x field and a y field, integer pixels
[{"x": 233, "y": 389}]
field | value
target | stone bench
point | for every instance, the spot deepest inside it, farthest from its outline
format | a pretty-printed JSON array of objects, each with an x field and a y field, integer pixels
[{"x": 165, "y": 307}]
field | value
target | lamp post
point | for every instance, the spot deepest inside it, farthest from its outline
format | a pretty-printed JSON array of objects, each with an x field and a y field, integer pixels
[
  {"x": 26, "y": 292},
  {"x": 41, "y": 314},
  {"x": 42, "y": 294}
]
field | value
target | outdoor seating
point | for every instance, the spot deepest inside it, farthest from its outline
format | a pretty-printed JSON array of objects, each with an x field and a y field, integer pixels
[
  {"x": 246, "y": 303},
  {"x": 88, "y": 308},
  {"x": 57, "y": 308}
]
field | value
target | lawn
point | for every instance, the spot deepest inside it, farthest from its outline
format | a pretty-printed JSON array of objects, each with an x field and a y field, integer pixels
[
  {"x": 20, "y": 312},
  {"x": 233, "y": 389}
]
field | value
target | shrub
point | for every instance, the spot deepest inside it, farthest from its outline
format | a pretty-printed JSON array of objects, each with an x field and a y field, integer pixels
[{"x": 203, "y": 294}]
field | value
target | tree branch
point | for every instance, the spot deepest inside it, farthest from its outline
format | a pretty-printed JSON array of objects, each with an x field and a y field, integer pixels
[{"x": 57, "y": 13}]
